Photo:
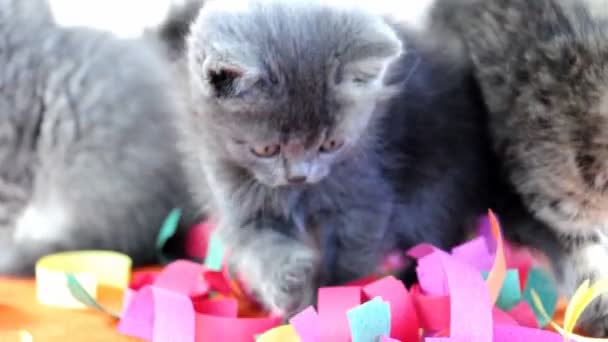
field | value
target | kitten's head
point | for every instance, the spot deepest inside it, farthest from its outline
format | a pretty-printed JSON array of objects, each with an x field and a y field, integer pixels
[
  {"x": 288, "y": 88},
  {"x": 24, "y": 13}
]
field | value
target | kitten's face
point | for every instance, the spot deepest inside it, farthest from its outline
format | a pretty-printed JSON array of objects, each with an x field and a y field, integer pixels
[
  {"x": 288, "y": 88},
  {"x": 294, "y": 139}
]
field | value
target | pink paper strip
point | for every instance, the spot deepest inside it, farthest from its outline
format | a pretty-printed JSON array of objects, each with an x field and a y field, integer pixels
[
  {"x": 421, "y": 250},
  {"x": 159, "y": 315},
  {"x": 404, "y": 319},
  {"x": 213, "y": 328},
  {"x": 433, "y": 311},
  {"x": 333, "y": 304},
  {"x": 431, "y": 276},
  {"x": 138, "y": 319},
  {"x": 485, "y": 232},
  {"x": 475, "y": 253},
  {"x": 501, "y": 317},
  {"x": 307, "y": 325},
  {"x": 184, "y": 277},
  {"x": 388, "y": 339},
  {"x": 219, "y": 307},
  {"x": 524, "y": 315},
  {"x": 363, "y": 281},
  {"x": 173, "y": 317},
  {"x": 509, "y": 333},
  {"x": 217, "y": 281},
  {"x": 127, "y": 297},
  {"x": 142, "y": 278},
  {"x": 198, "y": 239},
  {"x": 469, "y": 302}
]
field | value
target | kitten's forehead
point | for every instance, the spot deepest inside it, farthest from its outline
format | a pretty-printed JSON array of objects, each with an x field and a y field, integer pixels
[
  {"x": 291, "y": 118},
  {"x": 292, "y": 38},
  {"x": 296, "y": 68}
]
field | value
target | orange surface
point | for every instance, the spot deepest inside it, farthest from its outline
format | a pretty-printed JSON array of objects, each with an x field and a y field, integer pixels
[{"x": 19, "y": 310}]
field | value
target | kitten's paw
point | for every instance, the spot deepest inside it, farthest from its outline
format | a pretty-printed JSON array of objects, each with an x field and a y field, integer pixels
[
  {"x": 291, "y": 284},
  {"x": 594, "y": 320},
  {"x": 588, "y": 263}
]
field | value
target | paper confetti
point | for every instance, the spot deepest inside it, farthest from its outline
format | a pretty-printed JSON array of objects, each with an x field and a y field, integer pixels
[
  {"x": 284, "y": 333},
  {"x": 497, "y": 272},
  {"x": 89, "y": 269},
  {"x": 215, "y": 253},
  {"x": 543, "y": 285},
  {"x": 333, "y": 304},
  {"x": 167, "y": 231},
  {"x": 404, "y": 319},
  {"x": 524, "y": 315},
  {"x": 84, "y": 297},
  {"x": 370, "y": 321},
  {"x": 510, "y": 293},
  {"x": 197, "y": 240},
  {"x": 470, "y": 302},
  {"x": 307, "y": 325},
  {"x": 467, "y": 295},
  {"x": 583, "y": 298},
  {"x": 156, "y": 314}
]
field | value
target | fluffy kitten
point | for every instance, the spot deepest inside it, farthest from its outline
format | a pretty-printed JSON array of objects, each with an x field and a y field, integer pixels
[
  {"x": 317, "y": 167},
  {"x": 171, "y": 33},
  {"x": 543, "y": 69},
  {"x": 87, "y": 149}
]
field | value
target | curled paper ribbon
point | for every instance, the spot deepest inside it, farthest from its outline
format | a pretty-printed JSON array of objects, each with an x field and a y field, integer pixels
[
  {"x": 16, "y": 336},
  {"x": 583, "y": 296},
  {"x": 284, "y": 333},
  {"x": 454, "y": 304},
  {"x": 181, "y": 304},
  {"x": 466, "y": 295},
  {"x": 89, "y": 268}
]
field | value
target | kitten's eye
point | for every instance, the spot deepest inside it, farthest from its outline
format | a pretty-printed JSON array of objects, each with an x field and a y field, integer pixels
[
  {"x": 266, "y": 151},
  {"x": 331, "y": 145}
]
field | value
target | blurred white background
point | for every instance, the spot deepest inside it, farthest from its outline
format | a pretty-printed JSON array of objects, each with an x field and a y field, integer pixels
[{"x": 128, "y": 18}]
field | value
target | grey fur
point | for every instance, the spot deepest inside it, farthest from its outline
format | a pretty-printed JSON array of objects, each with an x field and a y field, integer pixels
[
  {"x": 171, "y": 33},
  {"x": 87, "y": 149},
  {"x": 299, "y": 73},
  {"x": 543, "y": 69}
]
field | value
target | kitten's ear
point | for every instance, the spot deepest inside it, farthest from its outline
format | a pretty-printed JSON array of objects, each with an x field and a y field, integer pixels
[
  {"x": 224, "y": 79},
  {"x": 227, "y": 79},
  {"x": 367, "y": 60},
  {"x": 217, "y": 74}
]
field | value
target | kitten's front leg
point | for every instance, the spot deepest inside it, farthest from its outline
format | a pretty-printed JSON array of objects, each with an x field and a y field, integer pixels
[
  {"x": 280, "y": 270},
  {"x": 357, "y": 243}
]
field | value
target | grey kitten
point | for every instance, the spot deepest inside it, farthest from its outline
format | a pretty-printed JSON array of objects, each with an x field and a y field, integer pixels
[
  {"x": 317, "y": 167},
  {"x": 543, "y": 69},
  {"x": 171, "y": 33},
  {"x": 88, "y": 156}
]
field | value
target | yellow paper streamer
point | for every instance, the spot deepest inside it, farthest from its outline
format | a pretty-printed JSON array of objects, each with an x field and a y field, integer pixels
[
  {"x": 25, "y": 336},
  {"x": 284, "y": 333},
  {"x": 16, "y": 336},
  {"x": 583, "y": 296},
  {"x": 90, "y": 268}
]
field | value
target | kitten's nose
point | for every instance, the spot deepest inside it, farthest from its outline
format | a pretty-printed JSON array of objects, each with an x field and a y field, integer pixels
[{"x": 296, "y": 179}]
